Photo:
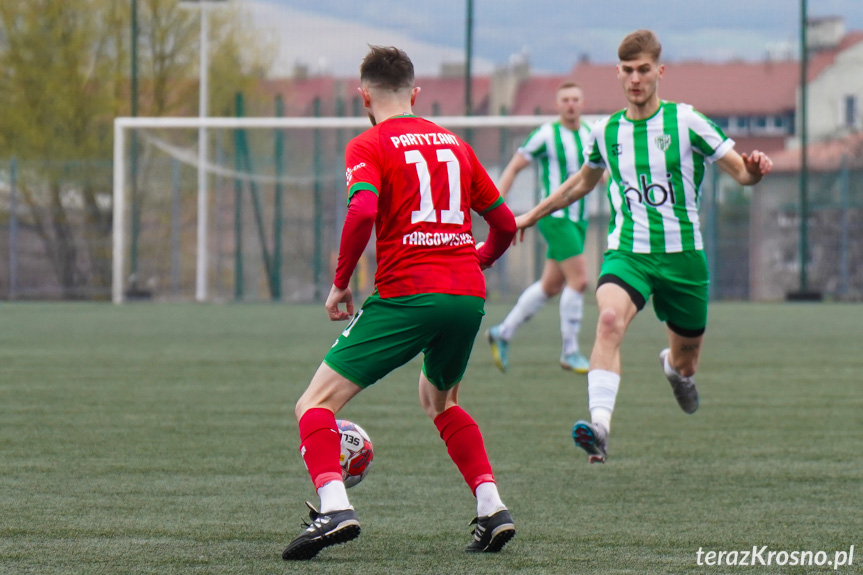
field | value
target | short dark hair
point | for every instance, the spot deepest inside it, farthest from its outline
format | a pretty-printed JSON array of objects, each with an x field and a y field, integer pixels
[
  {"x": 639, "y": 42},
  {"x": 387, "y": 67}
]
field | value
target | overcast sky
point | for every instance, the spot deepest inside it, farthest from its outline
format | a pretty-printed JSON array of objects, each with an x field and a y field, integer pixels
[{"x": 331, "y": 34}]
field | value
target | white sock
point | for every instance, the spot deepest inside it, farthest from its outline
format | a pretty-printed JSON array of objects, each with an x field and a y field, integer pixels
[
  {"x": 488, "y": 501},
  {"x": 571, "y": 308},
  {"x": 602, "y": 389},
  {"x": 530, "y": 301},
  {"x": 334, "y": 497},
  {"x": 671, "y": 372}
]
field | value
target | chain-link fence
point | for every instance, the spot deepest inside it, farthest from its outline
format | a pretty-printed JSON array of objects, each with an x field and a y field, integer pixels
[{"x": 55, "y": 226}]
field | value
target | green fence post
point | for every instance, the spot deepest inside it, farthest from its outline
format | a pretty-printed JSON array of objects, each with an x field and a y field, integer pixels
[
  {"x": 134, "y": 192},
  {"x": 238, "y": 207},
  {"x": 175, "y": 226},
  {"x": 340, "y": 147},
  {"x": 503, "y": 268},
  {"x": 13, "y": 228},
  {"x": 845, "y": 208},
  {"x": 713, "y": 244},
  {"x": 246, "y": 155},
  {"x": 319, "y": 248},
  {"x": 277, "y": 208}
]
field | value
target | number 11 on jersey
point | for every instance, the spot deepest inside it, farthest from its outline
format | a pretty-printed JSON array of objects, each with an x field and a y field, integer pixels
[{"x": 427, "y": 212}]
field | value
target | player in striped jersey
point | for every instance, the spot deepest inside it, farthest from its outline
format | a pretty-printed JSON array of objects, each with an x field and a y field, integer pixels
[
  {"x": 655, "y": 152},
  {"x": 558, "y": 148}
]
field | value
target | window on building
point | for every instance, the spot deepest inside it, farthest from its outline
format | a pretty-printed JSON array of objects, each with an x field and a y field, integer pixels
[
  {"x": 778, "y": 123},
  {"x": 740, "y": 124},
  {"x": 851, "y": 112}
]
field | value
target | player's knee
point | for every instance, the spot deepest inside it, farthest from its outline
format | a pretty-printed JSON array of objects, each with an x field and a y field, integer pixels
[
  {"x": 578, "y": 286},
  {"x": 299, "y": 409},
  {"x": 303, "y": 405},
  {"x": 551, "y": 289},
  {"x": 610, "y": 324}
]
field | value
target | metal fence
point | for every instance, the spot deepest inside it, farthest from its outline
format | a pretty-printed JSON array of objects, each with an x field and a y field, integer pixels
[{"x": 55, "y": 227}]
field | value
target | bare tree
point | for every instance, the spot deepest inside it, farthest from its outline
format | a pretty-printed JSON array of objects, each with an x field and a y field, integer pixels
[{"x": 64, "y": 75}]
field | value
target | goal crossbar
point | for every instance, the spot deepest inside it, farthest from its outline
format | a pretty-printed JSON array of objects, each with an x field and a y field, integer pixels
[{"x": 123, "y": 125}]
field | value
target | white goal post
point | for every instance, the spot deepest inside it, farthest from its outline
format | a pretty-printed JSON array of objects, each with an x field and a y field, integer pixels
[{"x": 123, "y": 125}]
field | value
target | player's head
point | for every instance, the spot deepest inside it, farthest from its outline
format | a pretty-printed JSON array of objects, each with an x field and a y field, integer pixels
[
  {"x": 386, "y": 73},
  {"x": 639, "y": 69},
  {"x": 387, "y": 68},
  {"x": 569, "y": 101}
]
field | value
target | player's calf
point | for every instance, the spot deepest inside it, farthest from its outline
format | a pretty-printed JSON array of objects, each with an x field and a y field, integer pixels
[{"x": 684, "y": 388}]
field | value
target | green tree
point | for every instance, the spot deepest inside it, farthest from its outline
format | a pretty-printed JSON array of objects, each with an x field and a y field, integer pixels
[{"x": 65, "y": 75}]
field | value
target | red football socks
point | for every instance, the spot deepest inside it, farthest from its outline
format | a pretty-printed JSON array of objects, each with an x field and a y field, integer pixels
[
  {"x": 320, "y": 445},
  {"x": 465, "y": 446}
]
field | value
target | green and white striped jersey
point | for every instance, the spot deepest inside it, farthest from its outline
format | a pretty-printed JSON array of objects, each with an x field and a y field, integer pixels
[
  {"x": 560, "y": 153},
  {"x": 656, "y": 167}
]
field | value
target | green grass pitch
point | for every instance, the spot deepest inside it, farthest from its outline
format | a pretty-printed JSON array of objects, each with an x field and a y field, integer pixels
[{"x": 160, "y": 439}]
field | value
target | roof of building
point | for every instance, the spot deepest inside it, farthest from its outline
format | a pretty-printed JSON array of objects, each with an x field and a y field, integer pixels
[
  {"x": 825, "y": 156},
  {"x": 714, "y": 88},
  {"x": 820, "y": 60},
  {"x": 438, "y": 95},
  {"x": 727, "y": 89},
  {"x": 445, "y": 96},
  {"x": 299, "y": 94}
]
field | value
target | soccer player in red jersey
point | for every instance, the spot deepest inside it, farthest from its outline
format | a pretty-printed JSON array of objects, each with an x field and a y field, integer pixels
[{"x": 416, "y": 183}]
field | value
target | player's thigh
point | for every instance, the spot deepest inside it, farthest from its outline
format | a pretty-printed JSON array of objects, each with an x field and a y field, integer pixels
[
  {"x": 681, "y": 294},
  {"x": 564, "y": 237},
  {"x": 633, "y": 273},
  {"x": 383, "y": 335},
  {"x": 328, "y": 389},
  {"x": 457, "y": 319}
]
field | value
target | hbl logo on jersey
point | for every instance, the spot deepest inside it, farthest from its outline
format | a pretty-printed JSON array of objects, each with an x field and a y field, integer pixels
[{"x": 651, "y": 194}]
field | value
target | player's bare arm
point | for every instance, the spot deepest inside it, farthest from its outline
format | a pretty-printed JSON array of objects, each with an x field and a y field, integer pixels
[
  {"x": 746, "y": 169},
  {"x": 516, "y": 164},
  {"x": 570, "y": 191}
]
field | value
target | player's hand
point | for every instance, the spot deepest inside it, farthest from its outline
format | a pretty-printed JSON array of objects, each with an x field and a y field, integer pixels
[
  {"x": 521, "y": 224},
  {"x": 757, "y": 163},
  {"x": 336, "y": 297},
  {"x": 481, "y": 265}
]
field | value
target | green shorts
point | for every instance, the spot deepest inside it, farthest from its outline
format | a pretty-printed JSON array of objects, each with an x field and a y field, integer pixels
[
  {"x": 387, "y": 333},
  {"x": 678, "y": 283},
  {"x": 565, "y": 238}
]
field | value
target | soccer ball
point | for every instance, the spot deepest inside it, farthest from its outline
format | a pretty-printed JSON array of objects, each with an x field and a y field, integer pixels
[{"x": 357, "y": 453}]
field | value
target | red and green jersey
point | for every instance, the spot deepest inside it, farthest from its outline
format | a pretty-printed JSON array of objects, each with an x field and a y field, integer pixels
[{"x": 427, "y": 181}]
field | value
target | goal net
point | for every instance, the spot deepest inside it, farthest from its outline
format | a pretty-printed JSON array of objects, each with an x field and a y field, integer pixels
[{"x": 255, "y": 214}]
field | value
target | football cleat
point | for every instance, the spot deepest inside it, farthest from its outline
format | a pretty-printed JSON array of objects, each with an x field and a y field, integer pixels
[
  {"x": 325, "y": 529},
  {"x": 593, "y": 438},
  {"x": 499, "y": 348},
  {"x": 575, "y": 362},
  {"x": 491, "y": 532},
  {"x": 684, "y": 388}
]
